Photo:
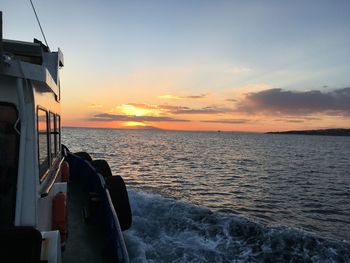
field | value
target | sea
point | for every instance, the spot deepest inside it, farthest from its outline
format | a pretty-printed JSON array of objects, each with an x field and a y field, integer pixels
[{"x": 227, "y": 196}]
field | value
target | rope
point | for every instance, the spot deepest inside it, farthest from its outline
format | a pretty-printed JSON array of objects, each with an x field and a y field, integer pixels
[{"x": 37, "y": 18}]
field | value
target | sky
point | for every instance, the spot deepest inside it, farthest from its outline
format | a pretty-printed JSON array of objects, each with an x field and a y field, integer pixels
[{"x": 196, "y": 65}]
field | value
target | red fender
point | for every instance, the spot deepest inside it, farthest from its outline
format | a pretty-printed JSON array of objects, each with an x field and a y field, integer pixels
[
  {"x": 65, "y": 171},
  {"x": 59, "y": 215}
]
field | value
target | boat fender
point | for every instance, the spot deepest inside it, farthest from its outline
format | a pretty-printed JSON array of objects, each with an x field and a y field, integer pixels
[
  {"x": 59, "y": 216},
  {"x": 102, "y": 167},
  {"x": 64, "y": 150},
  {"x": 120, "y": 200},
  {"x": 85, "y": 156},
  {"x": 65, "y": 171}
]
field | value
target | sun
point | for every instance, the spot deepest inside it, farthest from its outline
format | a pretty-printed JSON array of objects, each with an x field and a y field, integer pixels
[
  {"x": 131, "y": 110},
  {"x": 133, "y": 124}
]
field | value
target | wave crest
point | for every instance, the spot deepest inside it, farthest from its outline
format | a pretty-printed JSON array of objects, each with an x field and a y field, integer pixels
[{"x": 166, "y": 230}]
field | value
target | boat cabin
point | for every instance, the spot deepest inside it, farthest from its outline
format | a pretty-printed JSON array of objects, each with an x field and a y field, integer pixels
[
  {"x": 30, "y": 142},
  {"x": 35, "y": 170}
]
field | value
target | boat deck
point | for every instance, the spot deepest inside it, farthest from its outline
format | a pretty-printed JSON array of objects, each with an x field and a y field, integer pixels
[{"x": 86, "y": 242}]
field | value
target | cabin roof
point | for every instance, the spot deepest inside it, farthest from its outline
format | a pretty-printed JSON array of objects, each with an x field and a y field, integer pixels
[
  {"x": 32, "y": 60},
  {"x": 32, "y": 52}
]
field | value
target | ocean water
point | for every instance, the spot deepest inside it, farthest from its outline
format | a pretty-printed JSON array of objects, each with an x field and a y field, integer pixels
[{"x": 229, "y": 197}]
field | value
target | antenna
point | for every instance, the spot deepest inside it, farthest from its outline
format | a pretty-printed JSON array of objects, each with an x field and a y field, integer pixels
[
  {"x": 1, "y": 44},
  {"x": 37, "y": 18}
]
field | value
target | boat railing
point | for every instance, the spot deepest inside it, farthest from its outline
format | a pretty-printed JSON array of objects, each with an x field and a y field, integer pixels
[
  {"x": 85, "y": 174},
  {"x": 119, "y": 247}
]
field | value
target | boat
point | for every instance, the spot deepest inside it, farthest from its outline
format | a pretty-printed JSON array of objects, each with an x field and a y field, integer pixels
[{"x": 55, "y": 205}]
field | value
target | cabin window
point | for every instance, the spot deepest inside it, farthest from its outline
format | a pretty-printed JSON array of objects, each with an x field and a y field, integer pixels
[
  {"x": 53, "y": 140},
  {"x": 9, "y": 149},
  {"x": 58, "y": 130},
  {"x": 43, "y": 142}
]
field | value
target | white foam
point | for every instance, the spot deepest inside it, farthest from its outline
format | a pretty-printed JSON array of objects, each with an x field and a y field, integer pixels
[{"x": 166, "y": 230}]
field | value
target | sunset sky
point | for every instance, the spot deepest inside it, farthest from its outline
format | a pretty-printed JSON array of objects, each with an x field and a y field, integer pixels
[{"x": 196, "y": 65}]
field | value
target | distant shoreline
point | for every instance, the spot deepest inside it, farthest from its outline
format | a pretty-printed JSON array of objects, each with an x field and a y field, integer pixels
[
  {"x": 324, "y": 132},
  {"x": 159, "y": 129}
]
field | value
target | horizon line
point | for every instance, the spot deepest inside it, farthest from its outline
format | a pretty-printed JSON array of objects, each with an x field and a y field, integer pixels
[{"x": 155, "y": 129}]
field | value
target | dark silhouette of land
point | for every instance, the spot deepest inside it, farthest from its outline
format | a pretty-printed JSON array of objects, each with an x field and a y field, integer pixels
[{"x": 326, "y": 132}]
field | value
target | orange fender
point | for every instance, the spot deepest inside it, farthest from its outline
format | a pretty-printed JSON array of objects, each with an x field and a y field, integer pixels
[{"x": 59, "y": 215}]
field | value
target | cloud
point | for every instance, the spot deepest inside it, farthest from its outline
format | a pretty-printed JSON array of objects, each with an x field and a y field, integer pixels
[
  {"x": 171, "y": 107},
  {"x": 169, "y": 97},
  {"x": 237, "y": 70},
  {"x": 177, "y": 110},
  {"x": 187, "y": 110},
  {"x": 307, "y": 118},
  {"x": 95, "y": 106},
  {"x": 234, "y": 121},
  {"x": 175, "y": 97},
  {"x": 119, "y": 117},
  {"x": 195, "y": 96},
  {"x": 292, "y": 119},
  {"x": 143, "y": 106},
  {"x": 293, "y": 103}
]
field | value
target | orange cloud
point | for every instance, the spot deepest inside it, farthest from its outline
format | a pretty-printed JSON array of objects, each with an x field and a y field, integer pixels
[
  {"x": 254, "y": 107},
  {"x": 141, "y": 109},
  {"x": 175, "y": 97},
  {"x": 204, "y": 110},
  {"x": 169, "y": 97},
  {"x": 229, "y": 121},
  {"x": 95, "y": 106},
  {"x": 106, "y": 117}
]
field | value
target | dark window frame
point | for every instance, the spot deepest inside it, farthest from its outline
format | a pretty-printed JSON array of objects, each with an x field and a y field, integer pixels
[
  {"x": 53, "y": 131},
  {"x": 44, "y": 174},
  {"x": 58, "y": 128}
]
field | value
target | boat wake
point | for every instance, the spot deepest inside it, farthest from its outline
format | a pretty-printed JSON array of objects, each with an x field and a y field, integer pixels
[{"x": 166, "y": 230}]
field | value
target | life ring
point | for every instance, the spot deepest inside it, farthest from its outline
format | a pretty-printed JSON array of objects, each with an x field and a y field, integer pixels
[
  {"x": 120, "y": 200},
  {"x": 65, "y": 171},
  {"x": 102, "y": 167},
  {"x": 59, "y": 216}
]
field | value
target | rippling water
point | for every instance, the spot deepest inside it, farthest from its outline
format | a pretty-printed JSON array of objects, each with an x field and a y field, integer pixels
[{"x": 229, "y": 197}]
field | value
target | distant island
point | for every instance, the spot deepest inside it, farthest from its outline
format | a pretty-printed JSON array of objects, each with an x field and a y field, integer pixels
[{"x": 326, "y": 132}]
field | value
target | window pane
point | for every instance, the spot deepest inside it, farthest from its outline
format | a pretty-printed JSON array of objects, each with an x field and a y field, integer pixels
[
  {"x": 9, "y": 148},
  {"x": 52, "y": 136},
  {"x": 43, "y": 142}
]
